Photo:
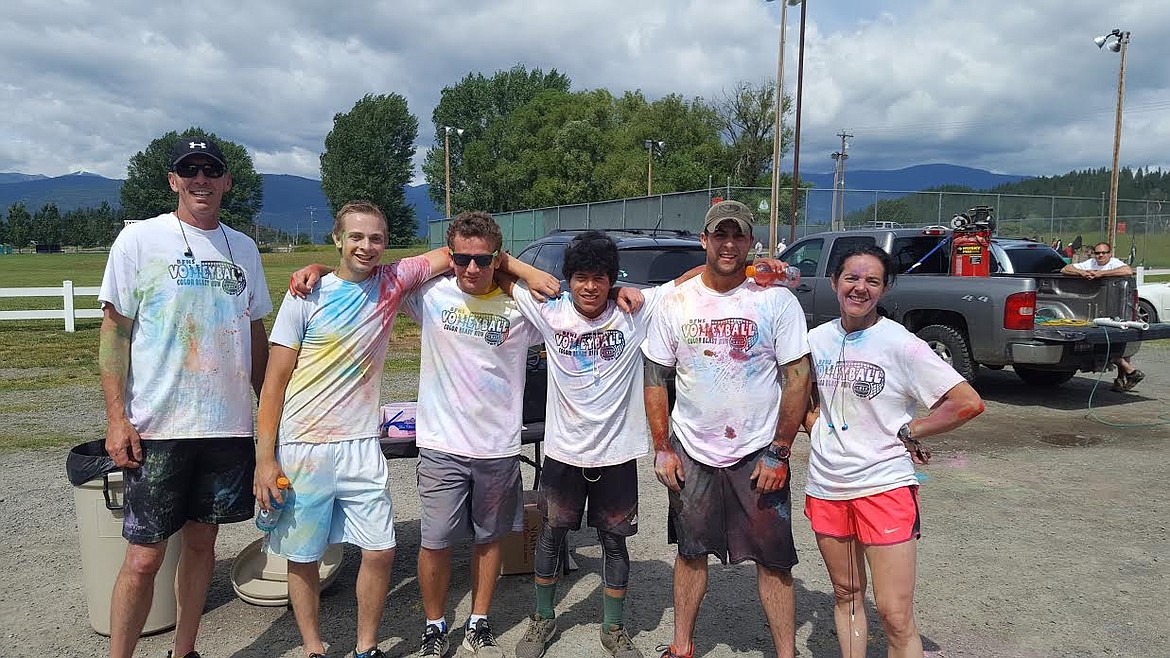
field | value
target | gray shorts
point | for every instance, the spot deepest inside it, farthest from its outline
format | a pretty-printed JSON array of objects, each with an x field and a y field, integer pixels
[{"x": 464, "y": 497}]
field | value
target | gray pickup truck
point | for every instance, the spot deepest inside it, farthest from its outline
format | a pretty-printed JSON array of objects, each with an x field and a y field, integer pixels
[{"x": 992, "y": 321}]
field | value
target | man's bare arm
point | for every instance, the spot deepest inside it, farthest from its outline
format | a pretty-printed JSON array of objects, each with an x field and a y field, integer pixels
[
  {"x": 123, "y": 444},
  {"x": 281, "y": 363},
  {"x": 667, "y": 465},
  {"x": 794, "y": 400},
  {"x": 259, "y": 355}
]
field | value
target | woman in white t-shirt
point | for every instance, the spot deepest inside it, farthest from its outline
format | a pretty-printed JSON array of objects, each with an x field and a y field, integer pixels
[{"x": 862, "y": 493}]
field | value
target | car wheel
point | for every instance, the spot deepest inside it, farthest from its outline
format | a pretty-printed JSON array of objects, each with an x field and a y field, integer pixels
[
  {"x": 951, "y": 345},
  {"x": 1043, "y": 377},
  {"x": 1146, "y": 312}
]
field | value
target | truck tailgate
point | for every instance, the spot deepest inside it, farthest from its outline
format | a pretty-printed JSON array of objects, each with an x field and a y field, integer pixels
[{"x": 1099, "y": 335}]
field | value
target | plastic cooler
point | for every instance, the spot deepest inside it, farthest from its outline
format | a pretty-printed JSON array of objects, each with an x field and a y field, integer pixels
[{"x": 98, "y": 496}]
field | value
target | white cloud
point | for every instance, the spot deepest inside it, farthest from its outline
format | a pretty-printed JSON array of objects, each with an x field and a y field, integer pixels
[{"x": 1007, "y": 86}]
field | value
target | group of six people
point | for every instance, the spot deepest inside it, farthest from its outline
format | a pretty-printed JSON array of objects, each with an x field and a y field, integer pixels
[{"x": 182, "y": 339}]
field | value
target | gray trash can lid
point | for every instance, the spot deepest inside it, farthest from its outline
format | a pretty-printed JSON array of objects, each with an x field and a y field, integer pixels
[{"x": 88, "y": 461}]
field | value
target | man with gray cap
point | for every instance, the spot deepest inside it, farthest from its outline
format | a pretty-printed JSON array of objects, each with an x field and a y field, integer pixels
[
  {"x": 181, "y": 341},
  {"x": 740, "y": 354}
]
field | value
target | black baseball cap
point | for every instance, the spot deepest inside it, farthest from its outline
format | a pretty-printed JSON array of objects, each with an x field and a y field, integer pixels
[{"x": 196, "y": 145}]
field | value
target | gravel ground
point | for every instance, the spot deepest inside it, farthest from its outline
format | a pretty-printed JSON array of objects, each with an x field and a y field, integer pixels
[{"x": 1045, "y": 534}]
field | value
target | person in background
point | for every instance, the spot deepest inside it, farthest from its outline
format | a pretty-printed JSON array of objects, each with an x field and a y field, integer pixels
[
  {"x": 181, "y": 340},
  {"x": 741, "y": 357},
  {"x": 862, "y": 493},
  {"x": 1102, "y": 263}
]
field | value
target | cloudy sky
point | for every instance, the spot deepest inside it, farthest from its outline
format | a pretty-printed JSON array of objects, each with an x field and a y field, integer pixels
[{"x": 1006, "y": 85}]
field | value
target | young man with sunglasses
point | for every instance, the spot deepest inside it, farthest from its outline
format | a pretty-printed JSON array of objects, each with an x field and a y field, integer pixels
[
  {"x": 181, "y": 341},
  {"x": 474, "y": 349},
  {"x": 1103, "y": 263}
]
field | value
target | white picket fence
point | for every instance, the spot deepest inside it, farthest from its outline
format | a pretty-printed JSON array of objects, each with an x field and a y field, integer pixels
[
  {"x": 66, "y": 291},
  {"x": 1143, "y": 272}
]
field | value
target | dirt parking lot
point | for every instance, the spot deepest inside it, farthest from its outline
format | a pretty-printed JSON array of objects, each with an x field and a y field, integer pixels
[{"x": 1045, "y": 534}]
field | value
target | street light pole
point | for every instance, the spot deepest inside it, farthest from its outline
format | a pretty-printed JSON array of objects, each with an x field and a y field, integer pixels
[
  {"x": 651, "y": 145},
  {"x": 312, "y": 225},
  {"x": 447, "y": 156},
  {"x": 796, "y": 136},
  {"x": 1120, "y": 40}
]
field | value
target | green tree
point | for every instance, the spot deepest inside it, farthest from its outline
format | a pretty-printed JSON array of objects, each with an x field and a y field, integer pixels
[
  {"x": 747, "y": 117},
  {"x": 20, "y": 226},
  {"x": 147, "y": 192},
  {"x": 477, "y": 105},
  {"x": 47, "y": 225},
  {"x": 369, "y": 155}
]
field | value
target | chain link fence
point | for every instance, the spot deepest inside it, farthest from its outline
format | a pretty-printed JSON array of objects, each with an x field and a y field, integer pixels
[{"x": 1142, "y": 226}]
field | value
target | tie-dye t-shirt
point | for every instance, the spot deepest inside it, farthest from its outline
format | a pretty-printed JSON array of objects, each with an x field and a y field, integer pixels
[
  {"x": 191, "y": 342},
  {"x": 341, "y": 331},
  {"x": 471, "y": 378},
  {"x": 870, "y": 382},
  {"x": 726, "y": 349},
  {"x": 595, "y": 414}
]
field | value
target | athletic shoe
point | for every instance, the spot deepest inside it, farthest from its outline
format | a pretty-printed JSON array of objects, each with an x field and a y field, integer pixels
[
  {"x": 667, "y": 651},
  {"x": 618, "y": 643},
  {"x": 540, "y": 632},
  {"x": 190, "y": 654},
  {"x": 372, "y": 653},
  {"x": 1119, "y": 384},
  {"x": 1133, "y": 378},
  {"x": 434, "y": 643},
  {"x": 481, "y": 641}
]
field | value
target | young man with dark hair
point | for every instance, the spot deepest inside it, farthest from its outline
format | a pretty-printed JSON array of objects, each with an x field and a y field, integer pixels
[
  {"x": 595, "y": 431},
  {"x": 182, "y": 338},
  {"x": 743, "y": 384}
]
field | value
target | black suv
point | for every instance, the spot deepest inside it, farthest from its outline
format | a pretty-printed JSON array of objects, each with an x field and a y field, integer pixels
[{"x": 646, "y": 257}]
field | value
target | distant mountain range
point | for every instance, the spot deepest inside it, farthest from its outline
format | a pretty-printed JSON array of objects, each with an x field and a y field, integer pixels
[{"x": 287, "y": 198}]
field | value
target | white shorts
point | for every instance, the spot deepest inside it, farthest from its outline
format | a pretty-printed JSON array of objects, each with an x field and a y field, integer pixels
[{"x": 340, "y": 495}]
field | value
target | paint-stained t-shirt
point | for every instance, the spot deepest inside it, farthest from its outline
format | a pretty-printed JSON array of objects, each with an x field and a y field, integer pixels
[
  {"x": 595, "y": 413},
  {"x": 191, "y": 341},
  {"x": 341, "y": 331},
  {"x": 471, "y": 375},
  {"x": 726, "y": 349},
  {"x": 870, "y": 382}
]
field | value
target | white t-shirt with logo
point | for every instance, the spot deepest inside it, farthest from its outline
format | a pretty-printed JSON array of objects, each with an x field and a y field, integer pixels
[
  {"x": 341, "y": 331},
  {"x": 595, "y": 413},
  {"x": 471, "y": 375},
  {"x": 191, "y": 341},
  {"x": 870, "y": 382},
  {"x": 726, "y": 349},
  {"x": 1093, "y": 265}
]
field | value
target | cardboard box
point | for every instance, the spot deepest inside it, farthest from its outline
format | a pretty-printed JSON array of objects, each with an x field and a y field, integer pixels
[{"x": 519, "y": 548}]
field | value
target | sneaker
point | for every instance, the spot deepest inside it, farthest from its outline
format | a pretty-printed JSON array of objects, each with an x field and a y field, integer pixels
[
  {"x": 618, "y": 643},
  {"x": 481, "y": 641},
  {"x": 667, "y": 651},
  {"x": 190, "y": 654},
  {"x": 316, "y": 655},
  {"x": 536, "y": 638},
  {"x": 1119, "y": 385},
  {"x": 1133, "y": 378},
  {"x": 434, "y": 643},
  {"x": 370, "y": 653}
]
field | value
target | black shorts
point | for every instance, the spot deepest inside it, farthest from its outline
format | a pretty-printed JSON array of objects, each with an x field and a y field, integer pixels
[
  {"x": 719, "y": 512},
  {"x": 180, "y": 480},
  {"x": 612, "y": 493}
]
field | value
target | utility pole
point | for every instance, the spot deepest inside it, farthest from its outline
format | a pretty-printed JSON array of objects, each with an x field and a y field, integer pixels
[
  {"x": 312, "y": 225},
  {"x": 652, "y": 146},
  {"x": 836, "y": 155},
  {"x": 844, "y": 155}
]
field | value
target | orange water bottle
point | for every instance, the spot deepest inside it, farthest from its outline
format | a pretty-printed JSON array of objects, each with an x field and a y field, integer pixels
[
  {"x": 765, "y": 276},
  {"x": 266, "y": 519}
]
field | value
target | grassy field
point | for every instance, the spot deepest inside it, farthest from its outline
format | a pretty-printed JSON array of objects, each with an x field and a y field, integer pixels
[{"x": 38, "y": 356}]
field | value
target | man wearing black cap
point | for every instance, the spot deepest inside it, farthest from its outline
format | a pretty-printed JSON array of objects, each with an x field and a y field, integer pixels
[
  {"x": 725, "y": 463},
  {"x": 181, "y": 341}
]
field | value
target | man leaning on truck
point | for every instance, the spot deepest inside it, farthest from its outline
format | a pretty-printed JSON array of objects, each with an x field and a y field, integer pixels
[{"x": 1103, "y": 263}]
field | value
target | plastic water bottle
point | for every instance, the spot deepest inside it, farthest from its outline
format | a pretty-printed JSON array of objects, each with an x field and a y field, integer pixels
[
  {"x": 265, "y": 519},
  {"x": 764, "y": 276}
]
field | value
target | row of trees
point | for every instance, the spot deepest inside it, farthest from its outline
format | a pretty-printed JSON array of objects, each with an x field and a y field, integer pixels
[{"x": 84, "y": 227}]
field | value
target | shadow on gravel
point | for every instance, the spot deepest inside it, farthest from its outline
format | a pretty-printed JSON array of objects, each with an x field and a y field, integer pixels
[{"x": 1005, "y": 387}]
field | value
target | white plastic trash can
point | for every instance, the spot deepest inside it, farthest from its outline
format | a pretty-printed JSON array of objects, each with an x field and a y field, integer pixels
[{"x": 99, "y": 524}]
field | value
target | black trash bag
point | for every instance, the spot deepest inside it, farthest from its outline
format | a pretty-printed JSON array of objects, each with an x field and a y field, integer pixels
[{"x": 88, "y": 461}]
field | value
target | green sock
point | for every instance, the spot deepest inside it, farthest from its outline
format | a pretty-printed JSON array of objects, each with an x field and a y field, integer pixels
[
  {"x": 544, "y": 600},
  {"x": 612, "y": 606}
]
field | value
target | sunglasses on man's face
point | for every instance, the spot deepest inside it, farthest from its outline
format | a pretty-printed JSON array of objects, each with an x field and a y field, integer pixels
[
  {"x": 1100, "y": 253},
  {"x": 192, "y": 170},
  {"x": 481, "y": 260}
]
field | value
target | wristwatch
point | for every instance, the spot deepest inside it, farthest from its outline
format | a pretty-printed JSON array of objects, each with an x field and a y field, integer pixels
[
  {"x": 904, "y": 432},
  {"x": 780, "y": 453}
]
